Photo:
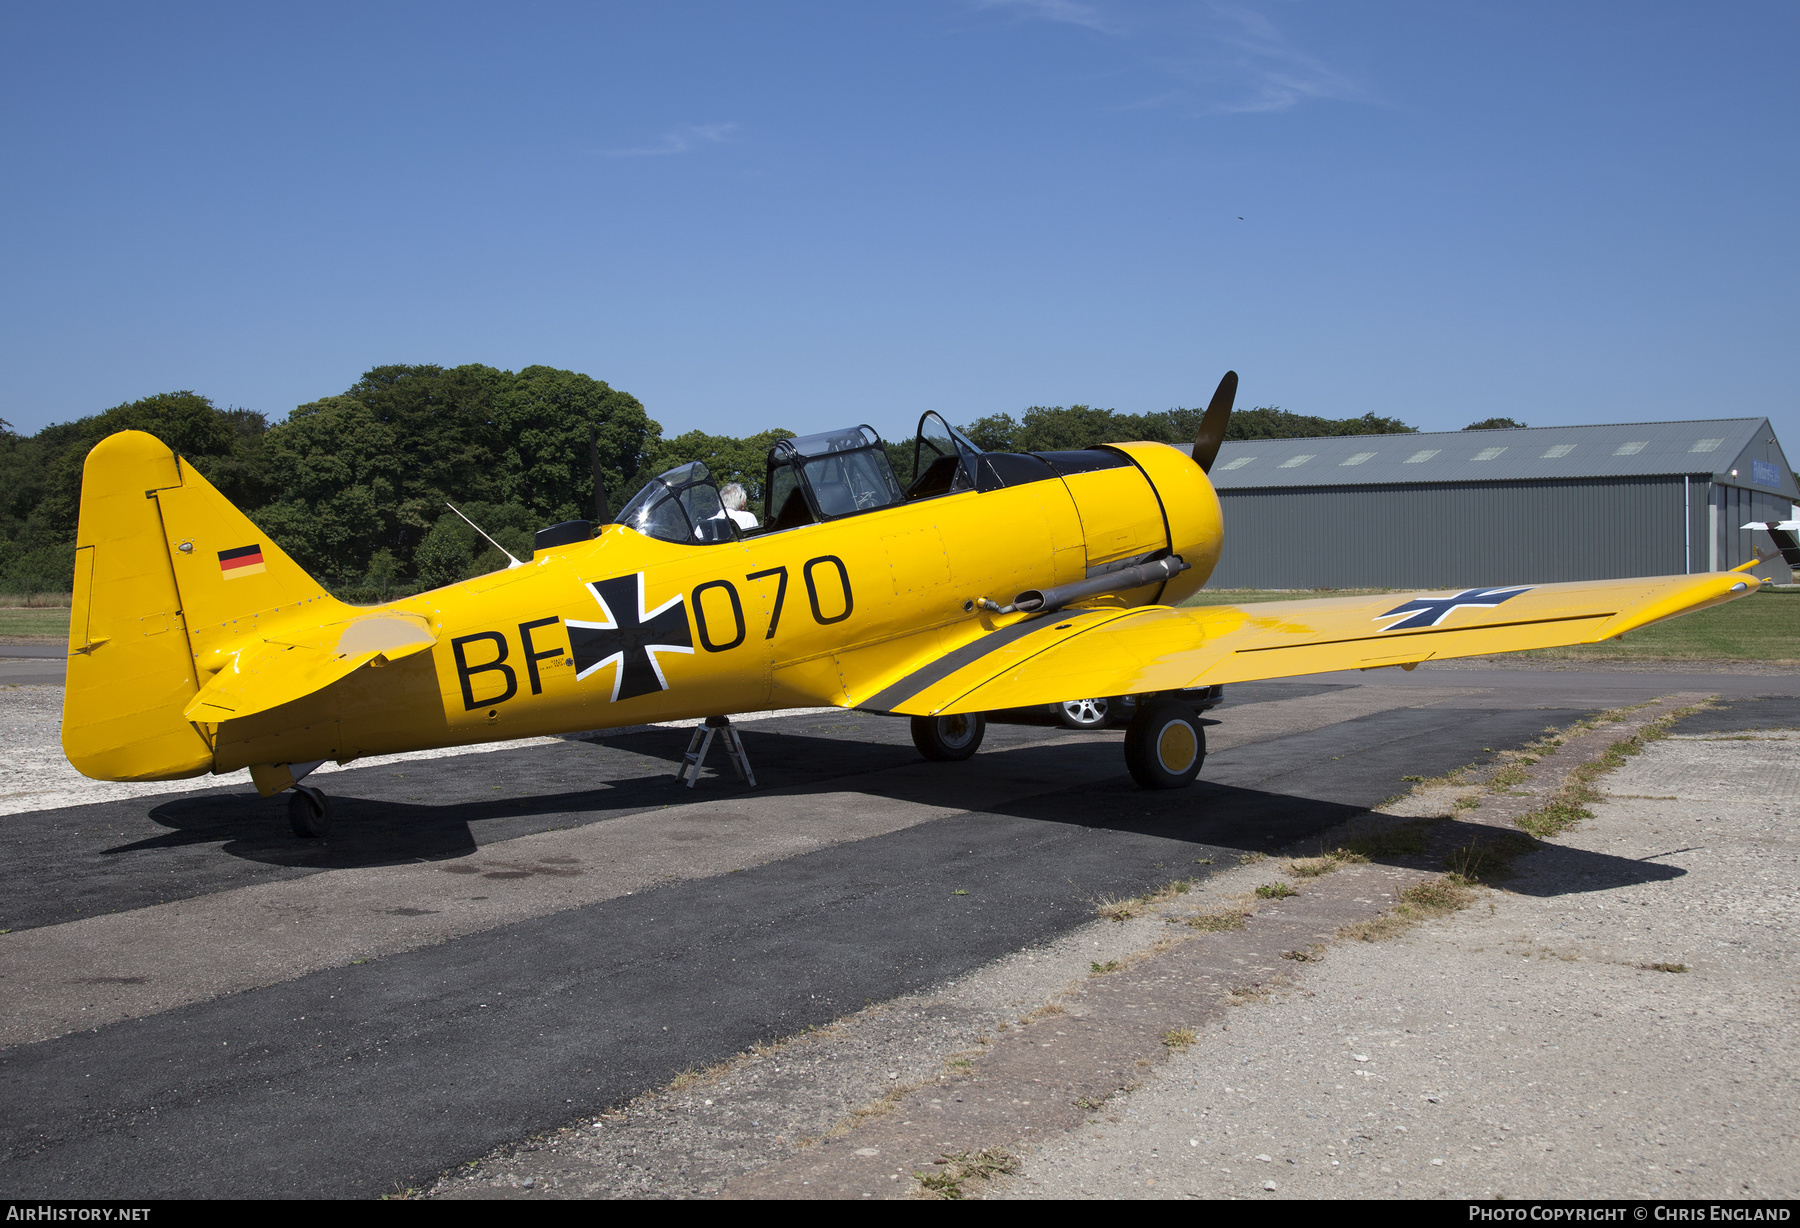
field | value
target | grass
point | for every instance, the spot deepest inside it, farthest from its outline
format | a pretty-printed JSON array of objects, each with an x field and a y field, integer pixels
[
  {"x": 1179, "y": 1038},
  {"x": 1136, "y": 905},
  {"x": 43, "y": 624},
  {"x": 1275, "y": 891},
  {"x": 1435, "y": 897},
  {"x": 1405, "y": 840},
  {"x": 1489, "y": 860},
  {"x": 1570, "y": 804},
  {"x": 1100, "y": 969},
  {"x": 1664, "y": 967},
  {"x": 1764, "y": 626},
  {"x": 954, "y": 1171},
  {"x": 1215, "y": 922},
  {"x": 1120, "y": 910}
]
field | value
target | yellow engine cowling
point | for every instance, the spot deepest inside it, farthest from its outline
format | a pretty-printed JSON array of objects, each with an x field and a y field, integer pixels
[{"x": 1161, "y": 500}]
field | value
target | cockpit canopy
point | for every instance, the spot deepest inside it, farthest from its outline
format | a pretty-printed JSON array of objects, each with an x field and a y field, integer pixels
[
  {"x": 827, "y": 476},
  {"x": 682, "y": 505}
]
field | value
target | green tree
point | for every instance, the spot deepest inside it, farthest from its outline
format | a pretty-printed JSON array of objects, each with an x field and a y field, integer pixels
[
  {"x": 994, "y": 433},
  {"x": 729, "y": 459},
  {"x": 545, "y": 465},
  {"x": 1273, "y": 422},
  {"x": 1053, "y": 428},
  {"x": 372, "y": 468},
  {"x": 1493, "y": 424}
]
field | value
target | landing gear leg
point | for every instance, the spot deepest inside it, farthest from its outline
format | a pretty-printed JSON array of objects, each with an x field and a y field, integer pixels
[
  {"x": 701, "y": 742},
  {"x": 309, "y": 813}
]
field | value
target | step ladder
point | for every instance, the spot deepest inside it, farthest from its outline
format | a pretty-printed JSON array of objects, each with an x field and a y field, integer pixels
[{"x": 701, "y": 742}]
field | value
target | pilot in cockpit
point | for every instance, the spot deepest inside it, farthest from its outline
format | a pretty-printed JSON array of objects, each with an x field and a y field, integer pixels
[{"x": 732, "y": 496}]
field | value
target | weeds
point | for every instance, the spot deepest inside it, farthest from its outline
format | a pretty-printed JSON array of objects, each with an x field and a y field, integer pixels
[
  {"x": 1490, "y": 860},
  {"x": 1552, "y": 818},
  {"x": 1406, "y": 840},
  {"x": 964, "y": 1167},
  {"x": 884, "y": 1104},
  {"x": 1435, "y": 897},
  {"x": 1179, "y": 1038},
  {"x": 1167, "y": 892},
  {"x": 1664, "y": 967},
  {"x": 1569, "y": 806},
  {"x": 1111, "y": 965},
  {"x": 1214, "y": 922},
  {"x": 1135, "y": 906},
  {"x": 1508, "y": 776},
  {"x": 1312, "y": 867},
  {"x": 1120, "y": 910},
  {"x": 1275, "y": 891}
]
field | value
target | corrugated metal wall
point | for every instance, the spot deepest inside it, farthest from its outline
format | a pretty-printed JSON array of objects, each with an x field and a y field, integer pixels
[
  {"x": 1452, "y": 536},
  {"x": 1738, "y": 506}
]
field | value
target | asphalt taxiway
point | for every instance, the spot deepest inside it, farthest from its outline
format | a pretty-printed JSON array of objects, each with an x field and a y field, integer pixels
[{"x": 494, "y": 944}]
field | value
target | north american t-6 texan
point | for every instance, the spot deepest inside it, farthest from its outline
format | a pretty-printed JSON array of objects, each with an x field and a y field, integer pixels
[{"x": 995, "y": 580}]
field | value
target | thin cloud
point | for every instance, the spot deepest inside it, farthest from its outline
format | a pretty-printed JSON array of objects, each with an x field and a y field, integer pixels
[
  {"x": 1063, "y": 12},
  {"x": 679, "y": 141},
  {"x": 1228, "y": 57},
  {"x": 1272, "y": 73}
]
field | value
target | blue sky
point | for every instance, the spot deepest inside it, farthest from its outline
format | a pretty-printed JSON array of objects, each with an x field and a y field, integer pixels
[{"x": 815, "y": 214}]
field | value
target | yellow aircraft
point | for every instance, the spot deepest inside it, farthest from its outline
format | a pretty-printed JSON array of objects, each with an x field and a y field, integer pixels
[{"x": 995, "y": 580}]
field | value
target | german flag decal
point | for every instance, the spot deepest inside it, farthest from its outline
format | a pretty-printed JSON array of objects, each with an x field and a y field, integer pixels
[{"x": 244, "y": 561}]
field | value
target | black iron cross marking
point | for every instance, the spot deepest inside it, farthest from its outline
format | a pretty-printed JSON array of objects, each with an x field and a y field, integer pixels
[
  {"x": 630, "y": 637},
  {"x": 1430, "y": 611}
]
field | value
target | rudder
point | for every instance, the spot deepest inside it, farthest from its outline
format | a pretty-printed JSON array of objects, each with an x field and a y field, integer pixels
[{"x": 168, "y": 577}]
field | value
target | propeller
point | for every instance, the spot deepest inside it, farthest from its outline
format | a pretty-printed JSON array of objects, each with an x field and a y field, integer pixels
[
  {"x": 601, "y": 515},
  {"x": 1212, "y": 425}
]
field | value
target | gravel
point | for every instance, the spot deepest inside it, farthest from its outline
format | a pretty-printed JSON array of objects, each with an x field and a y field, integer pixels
[{"x": 1527, "y": 1047}]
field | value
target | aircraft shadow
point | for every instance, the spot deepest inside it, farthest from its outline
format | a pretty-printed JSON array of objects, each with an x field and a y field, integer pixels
[{"x": 1076, "y": 783}]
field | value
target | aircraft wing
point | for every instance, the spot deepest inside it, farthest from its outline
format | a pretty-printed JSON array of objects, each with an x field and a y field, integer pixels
[
  {"x": 1078, "y": 653},
  {"x": 278, "y": 669}
]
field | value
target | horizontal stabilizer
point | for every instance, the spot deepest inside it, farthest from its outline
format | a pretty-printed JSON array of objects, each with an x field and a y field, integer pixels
[
  {"x": 1781, "y": 532},
  {"x": 273, "y": 672}
]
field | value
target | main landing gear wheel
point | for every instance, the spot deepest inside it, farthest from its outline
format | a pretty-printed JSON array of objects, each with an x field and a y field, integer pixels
[
  {"x": 1165, "y": 744},
  {"x": 309, "y": 813},
  {"x": 946, "y": 739}
]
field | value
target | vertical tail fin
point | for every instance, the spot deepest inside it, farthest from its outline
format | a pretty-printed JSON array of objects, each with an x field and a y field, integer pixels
[{"x": 167, "y": 572}]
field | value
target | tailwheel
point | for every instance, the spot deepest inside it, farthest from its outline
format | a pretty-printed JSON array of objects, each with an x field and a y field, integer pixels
[
  {"x": 1165, "y": 744},
  {"x": 946, "y": 739},
  {"x": 309, "y": 813}
]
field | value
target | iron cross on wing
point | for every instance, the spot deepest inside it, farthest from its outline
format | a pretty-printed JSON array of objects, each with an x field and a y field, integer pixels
[
  {"x": 630, "y": 637},
  {"x": 1430, "y": 611}
]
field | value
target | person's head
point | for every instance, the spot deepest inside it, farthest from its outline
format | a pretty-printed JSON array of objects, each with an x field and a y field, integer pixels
[{"x": 733, "y": 496}]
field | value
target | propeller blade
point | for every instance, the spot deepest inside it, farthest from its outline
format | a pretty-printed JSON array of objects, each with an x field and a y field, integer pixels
[
  {"x": 1212, "y": 425},
  {"x": 601, "y": 515}
]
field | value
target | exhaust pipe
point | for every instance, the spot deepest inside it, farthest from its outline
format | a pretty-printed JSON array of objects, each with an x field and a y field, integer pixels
[{"x": 1035, "y": 601}]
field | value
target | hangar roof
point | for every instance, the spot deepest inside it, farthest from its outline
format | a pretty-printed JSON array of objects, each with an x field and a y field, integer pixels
[{"x": 1707, "y": 446}]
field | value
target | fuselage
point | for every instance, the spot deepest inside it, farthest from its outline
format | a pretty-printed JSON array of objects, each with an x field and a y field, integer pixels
[{"x": 625, "y": 629}]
